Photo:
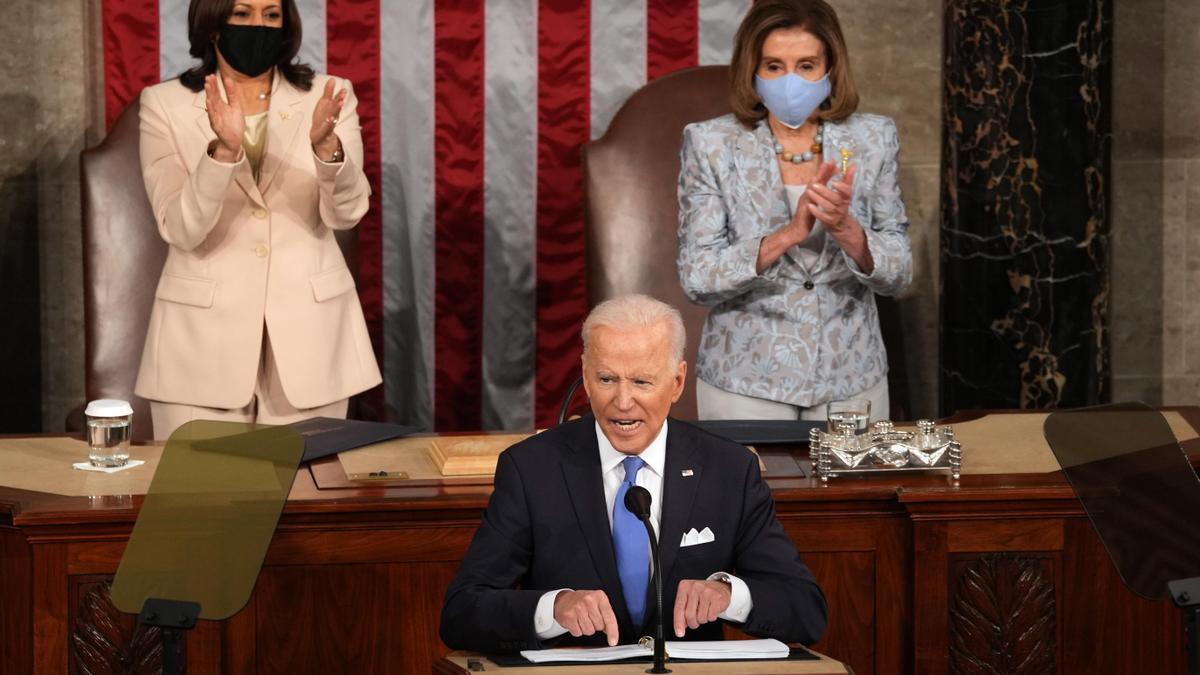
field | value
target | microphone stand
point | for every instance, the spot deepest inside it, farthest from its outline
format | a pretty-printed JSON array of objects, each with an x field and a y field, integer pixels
[
  {"x": 637, "y": 501},
  {"x": 660, "y": 645}
]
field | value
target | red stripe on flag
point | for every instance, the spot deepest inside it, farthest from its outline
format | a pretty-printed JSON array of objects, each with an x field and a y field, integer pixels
[
  {"x": 672, "y": 36},
  {"x": 352, "y": 52},
  {"x": 564, "y": 90},
  {"x": 458, "y": 62},
  {"x": 130, "y": 39}
]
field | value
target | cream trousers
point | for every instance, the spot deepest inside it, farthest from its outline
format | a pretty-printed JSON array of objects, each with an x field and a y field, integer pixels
[
  {"x": 713, "y": 403},
  {"x": 268, "y": 404}
]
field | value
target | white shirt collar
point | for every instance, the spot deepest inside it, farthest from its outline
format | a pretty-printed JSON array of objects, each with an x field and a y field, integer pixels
[{"x": 655, "y": 454}]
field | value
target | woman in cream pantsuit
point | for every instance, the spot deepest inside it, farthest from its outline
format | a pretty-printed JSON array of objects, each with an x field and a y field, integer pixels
[{"x": 251, "y": 161}]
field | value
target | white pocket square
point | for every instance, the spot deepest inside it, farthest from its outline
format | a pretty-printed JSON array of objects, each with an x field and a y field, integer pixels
[{"x": 692, "y": 537}]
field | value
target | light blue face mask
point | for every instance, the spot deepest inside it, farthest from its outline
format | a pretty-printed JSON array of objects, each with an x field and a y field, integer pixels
[{"x": 791, "y": 98}]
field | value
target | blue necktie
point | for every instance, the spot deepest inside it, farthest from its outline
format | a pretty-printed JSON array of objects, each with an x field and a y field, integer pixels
[{"x": 631, "y": 546}]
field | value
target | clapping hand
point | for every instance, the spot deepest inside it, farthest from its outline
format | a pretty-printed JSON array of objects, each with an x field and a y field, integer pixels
[
  {"x": 802, "y": 219},
  {"x": 325, "y": 117},
  {"x": 226, "y": 118},
  {"x": 830, "y": 204}
]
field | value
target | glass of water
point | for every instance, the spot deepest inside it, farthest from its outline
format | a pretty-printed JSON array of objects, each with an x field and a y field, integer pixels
[
  {"x": 109, "y": 423},
  {"x": 856, "y": 411}
]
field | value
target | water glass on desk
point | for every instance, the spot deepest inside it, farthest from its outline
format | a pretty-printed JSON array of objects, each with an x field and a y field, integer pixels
[
  {"x": 856, "y": 411},
  {"x": 109, "y": 423}
]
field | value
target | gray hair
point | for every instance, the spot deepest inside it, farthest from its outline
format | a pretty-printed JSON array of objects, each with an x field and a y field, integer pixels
[{"x": 637, "y": 311}]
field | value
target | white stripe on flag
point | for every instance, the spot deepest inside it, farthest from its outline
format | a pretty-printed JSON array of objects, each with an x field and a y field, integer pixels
[
  {"x": 509, "y": 210},
  {"x": 618, "y": 57},
  {"x": 719, "y": 21},
  {"x": 312, "y": 23},
  {"x": 173, "y": 43},
  {"x": 406, "y": 150}
]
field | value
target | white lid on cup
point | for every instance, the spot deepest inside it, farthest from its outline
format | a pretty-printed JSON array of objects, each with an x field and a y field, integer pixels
[{"x": 108, "y": 407}]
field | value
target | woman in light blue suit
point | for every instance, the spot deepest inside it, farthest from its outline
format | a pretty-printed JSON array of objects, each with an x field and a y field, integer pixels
[{"x": 790, "y": 221}]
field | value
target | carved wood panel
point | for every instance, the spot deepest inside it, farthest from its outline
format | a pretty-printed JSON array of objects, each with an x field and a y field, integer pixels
[
  {"x": 104, "y": 640},
  {"x": 1003, "y": 616}
]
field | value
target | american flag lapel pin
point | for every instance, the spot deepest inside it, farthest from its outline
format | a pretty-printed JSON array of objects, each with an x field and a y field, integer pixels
[{"x": 687, "y": 473}]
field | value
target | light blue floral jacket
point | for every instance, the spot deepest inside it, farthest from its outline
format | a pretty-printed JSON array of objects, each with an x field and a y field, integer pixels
[{"x": 766, "y": 335}]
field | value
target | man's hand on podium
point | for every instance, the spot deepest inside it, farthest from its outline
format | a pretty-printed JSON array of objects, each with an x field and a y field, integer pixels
[
  {"x": 699, "y": 602},
  {"x": 586, "y": 613}
]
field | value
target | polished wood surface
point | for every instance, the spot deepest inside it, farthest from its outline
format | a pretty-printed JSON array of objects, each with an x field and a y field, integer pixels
[{"x": 923, "y": 575}]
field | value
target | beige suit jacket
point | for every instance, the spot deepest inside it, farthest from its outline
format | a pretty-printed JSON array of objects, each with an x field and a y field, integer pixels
[{"x": 244, "y": 255}]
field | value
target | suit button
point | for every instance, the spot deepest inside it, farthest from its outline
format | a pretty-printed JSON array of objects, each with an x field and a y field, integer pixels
[
  {"x": 261, "y": 214},
  {"x": 261, "y": 250}
]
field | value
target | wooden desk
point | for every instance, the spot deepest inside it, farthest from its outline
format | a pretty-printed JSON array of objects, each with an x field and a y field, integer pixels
[
  {"x": 922, "y": 576},
  {"x": 456, "y": 664}
]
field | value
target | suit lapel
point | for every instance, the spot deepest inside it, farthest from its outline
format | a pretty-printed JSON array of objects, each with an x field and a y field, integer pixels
[
  {"x": 287, "y": 117},
  {"x": 679, "y": 494},
  {"x": 243, "y": 176},
  {"x": 581, "y": 471},
  {"x": 760, "y": 148}
]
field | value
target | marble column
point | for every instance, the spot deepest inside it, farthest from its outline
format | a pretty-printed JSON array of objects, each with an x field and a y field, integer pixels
[{"x": 1025, "y": 204}]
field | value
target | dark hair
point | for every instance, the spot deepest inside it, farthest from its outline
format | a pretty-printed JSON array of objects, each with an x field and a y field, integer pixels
[
  {"x": 205, "y": 19},
  {"x": 814, "y": 16}
]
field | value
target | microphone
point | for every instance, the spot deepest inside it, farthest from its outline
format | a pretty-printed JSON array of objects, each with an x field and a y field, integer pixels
[{"x": 637, "y": 501}]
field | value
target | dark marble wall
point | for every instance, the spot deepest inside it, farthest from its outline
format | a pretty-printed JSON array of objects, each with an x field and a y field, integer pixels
[
  {"x": 1025, "y": 222},
  {"x": 46, "y": 117}
]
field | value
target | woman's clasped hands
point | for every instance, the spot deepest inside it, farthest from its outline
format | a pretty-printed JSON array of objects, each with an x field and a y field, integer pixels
[
  {"x": 804, "y": 218},
  {"x": 830, "y": 203}
]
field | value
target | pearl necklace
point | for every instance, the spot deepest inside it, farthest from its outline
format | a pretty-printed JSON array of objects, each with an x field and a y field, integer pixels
[{"x": 813, "y": 151}]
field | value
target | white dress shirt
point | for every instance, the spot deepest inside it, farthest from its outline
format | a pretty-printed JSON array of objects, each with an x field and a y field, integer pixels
[{"x": 650, "y": 477}]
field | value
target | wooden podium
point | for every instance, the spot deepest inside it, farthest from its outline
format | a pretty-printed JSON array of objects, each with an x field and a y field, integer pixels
[
  {"x": 457, "y": 663},
  {"x": 923, "y": 575}
]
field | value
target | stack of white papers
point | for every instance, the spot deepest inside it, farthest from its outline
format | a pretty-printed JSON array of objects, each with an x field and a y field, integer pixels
[
  {"x": 712, "y": 650},
  {"x": 728, "y": 649}
]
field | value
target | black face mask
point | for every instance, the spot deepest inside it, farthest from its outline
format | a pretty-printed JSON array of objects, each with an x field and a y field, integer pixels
[{"x": 251, "y": 50}]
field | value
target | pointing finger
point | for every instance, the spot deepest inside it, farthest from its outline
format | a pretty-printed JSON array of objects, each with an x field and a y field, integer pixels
[{"x": 610, "y": 622}]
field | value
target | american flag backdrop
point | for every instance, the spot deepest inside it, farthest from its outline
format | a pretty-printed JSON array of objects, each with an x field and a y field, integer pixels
[{"x": 473, "y": 113}]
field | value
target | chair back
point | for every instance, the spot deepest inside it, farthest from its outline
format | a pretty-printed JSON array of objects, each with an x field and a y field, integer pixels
[
  {"x": 631, "y": 175},
  {"x": 632, "y": 213},
  {"x": 123, "y": 257}
]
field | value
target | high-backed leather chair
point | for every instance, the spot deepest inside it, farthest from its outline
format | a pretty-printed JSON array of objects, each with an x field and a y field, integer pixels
[
  {"x": 632, "y": 212},
  {"x": 123, "y": 256},
  {"x": 630, "y": 177}
]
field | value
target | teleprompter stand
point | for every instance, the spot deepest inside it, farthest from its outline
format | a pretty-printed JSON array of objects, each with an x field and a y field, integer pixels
[
  {"x": 203, "y": 530},
  {"x": 1186, "y": 594},
  {"x": 1140, "y": 493},
  {"x": 171, "y": 618}
]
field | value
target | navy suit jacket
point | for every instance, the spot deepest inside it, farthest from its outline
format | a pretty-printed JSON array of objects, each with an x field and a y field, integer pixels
[{"x": 546, "y": 528}]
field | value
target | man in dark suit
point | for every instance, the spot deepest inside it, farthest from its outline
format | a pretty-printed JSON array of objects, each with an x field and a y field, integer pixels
[{"x": 558, "y": 559}]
